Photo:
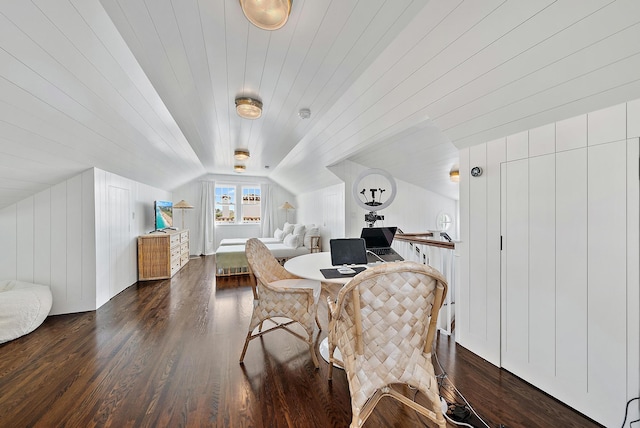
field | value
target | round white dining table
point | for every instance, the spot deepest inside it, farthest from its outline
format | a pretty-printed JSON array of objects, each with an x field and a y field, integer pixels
[{"x": 308, "y": 266}]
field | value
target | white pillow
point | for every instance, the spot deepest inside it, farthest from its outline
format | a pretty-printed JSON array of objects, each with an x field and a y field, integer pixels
[
  {"x": 278, "y": 234},
  {"x": 291, "y": 240},
  {"x": 298, "y": 231},
  {"x": 288, "y": 228},
  {"x": 313, "y": 231}
]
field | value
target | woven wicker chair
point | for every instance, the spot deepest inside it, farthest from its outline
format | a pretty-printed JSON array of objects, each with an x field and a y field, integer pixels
[
  {"x": 278, "y": 293},
  {"x": 384, "y": 322}
]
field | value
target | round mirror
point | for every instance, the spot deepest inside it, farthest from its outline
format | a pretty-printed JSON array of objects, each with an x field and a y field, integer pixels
[{"x": 374, "y": 189}]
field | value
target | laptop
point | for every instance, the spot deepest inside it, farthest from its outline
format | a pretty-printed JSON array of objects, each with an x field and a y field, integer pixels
[
  {"x": 378, "y": 242},
  {"x": 348, "y": 251}
]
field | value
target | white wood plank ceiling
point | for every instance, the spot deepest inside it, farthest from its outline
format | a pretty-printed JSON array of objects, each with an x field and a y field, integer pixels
[{"x": 146, "y": 88}]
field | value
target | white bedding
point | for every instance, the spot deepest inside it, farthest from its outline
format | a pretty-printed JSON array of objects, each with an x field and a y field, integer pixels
[
  {"x": 231, "y": 259},
  {"x": 242, "y": 241}
]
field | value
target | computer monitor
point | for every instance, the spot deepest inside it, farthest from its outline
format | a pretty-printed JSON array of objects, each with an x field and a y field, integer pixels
[{"x": 348, "y": 251}]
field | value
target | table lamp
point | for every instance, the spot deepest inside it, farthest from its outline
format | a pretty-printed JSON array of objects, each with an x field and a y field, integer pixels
[
  {"x": 183, "y": 205},
  {"x": 287, "y": 206}
]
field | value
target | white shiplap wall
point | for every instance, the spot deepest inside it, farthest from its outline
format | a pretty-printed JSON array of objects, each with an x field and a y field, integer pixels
[
  {"x": 564, "y": 311},
  {"x": 325, "y": 208},
  {"x": 414, "y": 210},
  {"x": 64, "y": 237},
  {"x": 49, "y": 239}
]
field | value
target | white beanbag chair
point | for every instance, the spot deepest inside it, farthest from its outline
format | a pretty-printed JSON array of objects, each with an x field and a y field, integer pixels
[{"x": 23, "y": 307}]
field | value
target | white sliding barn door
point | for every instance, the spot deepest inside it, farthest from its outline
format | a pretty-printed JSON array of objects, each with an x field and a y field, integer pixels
[{"x": 566, "y": 276}]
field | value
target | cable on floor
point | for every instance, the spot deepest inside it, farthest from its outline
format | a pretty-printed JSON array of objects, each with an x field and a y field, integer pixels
[
  {"x": 626, "y": 412},
  {"x": 468, "y": 405}
]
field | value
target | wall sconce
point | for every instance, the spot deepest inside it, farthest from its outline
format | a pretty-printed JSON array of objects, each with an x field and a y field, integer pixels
[{"x": 267, "y": 14}]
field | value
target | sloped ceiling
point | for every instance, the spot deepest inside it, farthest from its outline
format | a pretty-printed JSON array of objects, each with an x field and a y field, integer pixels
[{"x": 142, "y": 88}]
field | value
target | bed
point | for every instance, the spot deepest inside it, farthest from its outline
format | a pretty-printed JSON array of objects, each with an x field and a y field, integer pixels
[{"x": 293, "y": 240}]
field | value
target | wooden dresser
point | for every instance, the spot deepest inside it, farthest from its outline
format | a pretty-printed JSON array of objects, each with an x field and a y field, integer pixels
[{"x": 162, "y": 254}]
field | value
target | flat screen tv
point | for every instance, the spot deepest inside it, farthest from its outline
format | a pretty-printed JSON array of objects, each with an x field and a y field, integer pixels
[{"x": 164, "y": 214}]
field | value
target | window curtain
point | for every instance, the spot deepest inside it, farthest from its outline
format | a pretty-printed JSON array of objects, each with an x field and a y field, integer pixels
[
  {"x": 268, "y": 211},
  {"x": 207, "y": 237}
]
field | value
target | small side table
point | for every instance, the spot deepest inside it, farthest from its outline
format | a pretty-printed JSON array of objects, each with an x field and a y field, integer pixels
[{"x": 316, "y": 244}]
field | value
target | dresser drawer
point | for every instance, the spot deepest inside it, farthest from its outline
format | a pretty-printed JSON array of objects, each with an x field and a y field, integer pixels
[
  {"x": 175, "y": 239},
  {"x": 175, "y": 254},
  {"x": 184, "y": 236}
]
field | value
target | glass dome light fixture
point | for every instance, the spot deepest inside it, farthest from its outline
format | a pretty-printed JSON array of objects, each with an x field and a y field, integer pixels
[
  {"x": 267, "y": 14},
  {"x": 239, "y": 168},
  {"x": 241, "y": 154},
  {"x": 248, "y": 108}
]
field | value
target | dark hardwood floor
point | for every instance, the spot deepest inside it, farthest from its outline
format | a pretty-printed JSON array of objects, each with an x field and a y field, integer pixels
[{"x": 165, "y": 354}]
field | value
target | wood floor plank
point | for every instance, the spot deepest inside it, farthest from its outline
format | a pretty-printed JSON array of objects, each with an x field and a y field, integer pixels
[{"x": 165, "y": 354}]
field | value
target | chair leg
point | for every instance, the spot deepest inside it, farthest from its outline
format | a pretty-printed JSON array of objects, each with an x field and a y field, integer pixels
[
  {"x": 314, "y": 357},
  {"x": 244, "y": 350},
  {"x": 332, "y": 348}
]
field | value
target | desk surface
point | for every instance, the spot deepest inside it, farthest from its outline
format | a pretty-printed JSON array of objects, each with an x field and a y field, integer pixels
[{"x": 309, "y": 265}]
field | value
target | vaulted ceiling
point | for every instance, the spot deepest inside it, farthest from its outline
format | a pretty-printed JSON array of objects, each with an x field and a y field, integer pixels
[{"x": 146, "y": 88}]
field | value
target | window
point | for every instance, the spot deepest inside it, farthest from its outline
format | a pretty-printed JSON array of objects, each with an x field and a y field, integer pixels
[
  {"x": 225, "y": 204},
  {"x": 250, "y": 204},
  {"x": 230, "y": 196}
]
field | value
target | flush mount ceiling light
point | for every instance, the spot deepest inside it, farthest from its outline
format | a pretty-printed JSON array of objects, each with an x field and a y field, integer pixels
[
  {"x": 248, "y": 108},
  {"x": 454, "y": 176},
  {"x": 267, "y": 14},
  {"x": 241, "y": 154},
  {"x": 239, "y": 168}
]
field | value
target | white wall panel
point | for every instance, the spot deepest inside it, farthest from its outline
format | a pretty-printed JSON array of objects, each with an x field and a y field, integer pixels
[
  {"x": 515, "y": 254},
  {"x": 8, "y": 253},
  {"x": 478, "y": 244},
  {"x": 542, "y": 264},
  {"x": 88, "y": 239},
  {"x": 496, "y": 154},
  {"x": 463, "y": 301},
  {"x": 76, "y": 293},
  {"x": 542, "y": 140},
  {"x": 103, "y": 273},
  {"x": 607, "y": 199},
  {"x": 607, "y": 125},
  {"x": 633, "y": 119},
  {"x": 25, "y": 244},
  {"x": 518, "y": 146},
  {"x": 58, "y": 246},
  {"x": 331, "y": 220},
  {"x": 571, "y": 271},
  {"x": 42, "y": 237},
  {"x": 633, "y": 272},
  {"x": 571, "y": 133}
]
